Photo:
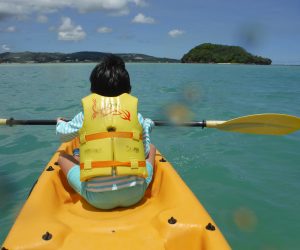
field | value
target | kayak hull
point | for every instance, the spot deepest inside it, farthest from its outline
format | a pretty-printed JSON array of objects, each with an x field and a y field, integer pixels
[{"x": 168, "y": 217}]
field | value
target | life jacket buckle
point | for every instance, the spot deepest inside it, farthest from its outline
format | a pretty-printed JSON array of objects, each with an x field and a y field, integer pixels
[
  {"x": 134, "y": 164},
  {"x": 135, "y": 135}
]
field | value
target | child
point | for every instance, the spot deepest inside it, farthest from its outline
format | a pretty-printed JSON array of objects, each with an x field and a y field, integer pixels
[{"x": 116, "y": 157}]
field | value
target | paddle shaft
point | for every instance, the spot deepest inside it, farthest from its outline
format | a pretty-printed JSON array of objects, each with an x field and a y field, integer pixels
[
  {"x": 201, "y": 124},
  {"x": 263, "y": 124},
  {"x": 11, "y": 122}
]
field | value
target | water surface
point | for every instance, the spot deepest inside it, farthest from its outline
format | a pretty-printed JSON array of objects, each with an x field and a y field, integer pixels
[{"x": 248, "y": 183}]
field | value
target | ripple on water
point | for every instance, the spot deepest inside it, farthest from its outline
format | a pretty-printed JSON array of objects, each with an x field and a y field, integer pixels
[{"x": 24, "y": 144}]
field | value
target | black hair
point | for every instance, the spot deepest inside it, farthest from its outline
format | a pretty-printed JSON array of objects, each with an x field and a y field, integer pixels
[{"x": 110, "y": 77}]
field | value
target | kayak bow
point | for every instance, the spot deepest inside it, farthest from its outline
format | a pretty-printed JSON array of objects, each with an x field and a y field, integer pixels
[{"x": 168, "y": 217}]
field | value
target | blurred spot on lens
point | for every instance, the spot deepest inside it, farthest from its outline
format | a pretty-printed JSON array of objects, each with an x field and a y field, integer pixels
[
  {"x": 245, "y": 219},
  {"x": 178, "y": 113},
  {"x": 250, "y": 35}
]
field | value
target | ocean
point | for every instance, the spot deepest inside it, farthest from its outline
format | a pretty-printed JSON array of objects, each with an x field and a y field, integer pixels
[{"x": 249, "y": 184}]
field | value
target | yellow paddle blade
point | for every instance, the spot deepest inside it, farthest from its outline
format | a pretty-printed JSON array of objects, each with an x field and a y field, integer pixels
[{"x": 265, "y": 124}]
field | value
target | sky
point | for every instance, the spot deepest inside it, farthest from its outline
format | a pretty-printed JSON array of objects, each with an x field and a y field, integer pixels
[{"x": 163, "y": 28}]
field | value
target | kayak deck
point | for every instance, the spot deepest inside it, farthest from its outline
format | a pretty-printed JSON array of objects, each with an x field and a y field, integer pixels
[{"x": 168, "y": 217}]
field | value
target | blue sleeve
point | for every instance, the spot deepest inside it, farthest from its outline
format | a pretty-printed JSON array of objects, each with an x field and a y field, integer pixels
[
  {"x": 147, "y": 125},
  {"x": 69, "y": 130}
]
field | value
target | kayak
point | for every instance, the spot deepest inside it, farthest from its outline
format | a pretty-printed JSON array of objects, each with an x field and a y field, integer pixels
[{"x": 168, "y": 217}]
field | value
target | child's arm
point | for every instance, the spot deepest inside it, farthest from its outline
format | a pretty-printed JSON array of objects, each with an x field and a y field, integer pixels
[
  {"x": 147, "y": 125},
  {"x": 69, "y": 130}
]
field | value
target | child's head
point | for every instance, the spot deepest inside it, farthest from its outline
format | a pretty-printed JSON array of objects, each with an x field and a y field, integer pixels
[{"x": 110, "y": 78}]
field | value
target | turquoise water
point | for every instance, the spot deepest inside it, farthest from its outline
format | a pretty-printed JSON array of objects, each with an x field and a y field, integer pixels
[{"x": 248, "y": 183}]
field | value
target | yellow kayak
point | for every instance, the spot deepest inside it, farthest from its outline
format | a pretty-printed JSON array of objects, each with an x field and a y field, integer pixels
[{"x": 168, "y": 217}]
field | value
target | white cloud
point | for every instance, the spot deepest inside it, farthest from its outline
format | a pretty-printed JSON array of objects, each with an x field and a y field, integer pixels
[
  {"x": 141, "y": 18},
  {"x": 5, "y": 47},
  {"x": 42, "y": 19},
  {"x": 104, "y": 30},
  {"x": 175, "y": 33},
  {"x": 23, "y": 7},
  {"x": 10, "y": 29},
  {"x": 67, "y": 31},
  {"x": 140, "y": 2},
  {"x": 122, "y": 12}
]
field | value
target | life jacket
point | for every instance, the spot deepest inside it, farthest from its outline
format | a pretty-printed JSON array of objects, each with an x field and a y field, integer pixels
[{"x": 111, "y": 137}]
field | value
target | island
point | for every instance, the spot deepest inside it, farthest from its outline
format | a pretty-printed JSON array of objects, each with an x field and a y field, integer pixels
[
  {"x": 76, "y": 57},
  {"x": 216, "y": 53}
]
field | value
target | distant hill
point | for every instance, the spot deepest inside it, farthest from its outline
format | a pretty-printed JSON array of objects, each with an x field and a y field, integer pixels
[
  {"x": 215, "y": 53},
  {"x": 83, "y": 56}
]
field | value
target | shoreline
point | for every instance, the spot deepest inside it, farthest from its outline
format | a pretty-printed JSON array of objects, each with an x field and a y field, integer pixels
[{"x": 143, "y": 62}]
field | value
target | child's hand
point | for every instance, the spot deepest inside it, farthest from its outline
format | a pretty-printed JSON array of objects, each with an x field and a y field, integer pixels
[{"x": 60, "y": 119}]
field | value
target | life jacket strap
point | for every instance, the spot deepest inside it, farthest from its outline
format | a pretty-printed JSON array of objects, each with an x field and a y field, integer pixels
[
  {"x": 102, "y": 135},
  {"x": 102, "y": 164}
]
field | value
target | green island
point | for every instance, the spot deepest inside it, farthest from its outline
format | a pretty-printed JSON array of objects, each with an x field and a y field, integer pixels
[{"x": 216, "y": 53}]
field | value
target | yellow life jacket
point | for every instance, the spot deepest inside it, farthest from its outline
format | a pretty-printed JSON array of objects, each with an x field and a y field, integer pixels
[{"x": 111, "y": 137}]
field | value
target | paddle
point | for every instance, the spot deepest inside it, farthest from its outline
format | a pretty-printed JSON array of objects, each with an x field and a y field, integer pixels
[{"x": 265, "y": 124}]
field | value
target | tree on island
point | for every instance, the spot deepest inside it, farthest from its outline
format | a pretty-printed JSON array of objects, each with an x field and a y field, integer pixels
[{"x": 215, "y": 53}]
